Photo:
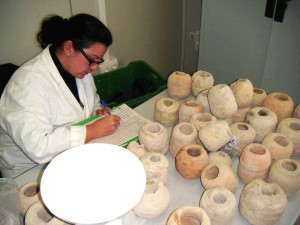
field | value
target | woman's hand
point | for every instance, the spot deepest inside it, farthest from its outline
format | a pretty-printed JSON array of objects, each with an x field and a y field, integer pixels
[
  {"x": 102, "y": 127},
  {"x": 103, "y": 112}
]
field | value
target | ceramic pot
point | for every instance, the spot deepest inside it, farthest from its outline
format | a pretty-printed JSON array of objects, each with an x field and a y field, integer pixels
[
  {"x": 221, "y": 101},
  {"x": 154, "y": 137},
  {"x": 279, "y": 145},
  {"x": 201, "y": 80},
  {"x": 262, "y": 203},
  {"x": 243, "y": 92},
  {"x": 182, "y": 134},
  {"x": 202, "y": 98},
  {"x": 263, "y": 120},
  {"x": 255, "y": 162},
  {"x": 238, "y": 116},
  {"x": 219, "y": 157},
  {"x": 200, "y": 120},
  {"x": 258, "y": 98},
  {"x": 220, "y": 205},
  {"x": 28, "y": 194},
  {"x": 153, "y": 203},
  {"x": 215, "y": 135},
  {"x": 156, "y": 166},
  {"x": 290, "y": 127},
  {"x": 188, "y": 108},
  {"x": 219, "y": 175},
  {"x": 189, "y": 215},
  {"x": 244, "y": 134},
  {"x": 179, "y": 85},
  {"x": 286, "y": 173},
  {"x": 281, "y": 104},
  {"x": 296, "y": 113},
  {"x": 166, "y": 111},
  {"x": 191, "y": 160},
  {"x": 137, "y": 149}
]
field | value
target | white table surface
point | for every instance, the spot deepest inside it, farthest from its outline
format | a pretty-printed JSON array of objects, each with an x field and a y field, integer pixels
[{"x": 183, "y": 192}]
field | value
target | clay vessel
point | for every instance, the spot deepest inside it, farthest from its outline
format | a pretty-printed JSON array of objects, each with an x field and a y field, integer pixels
[
  {"x": 243, "y": 92},
  {"x": 201, "y": 80},
  {"x": 258, "y": 98},
  {"x": 219, "y": 175},
  {"x": 255, "y": 162},
  {"x": 279, "y": 145},
  {"x": 154, "y": 137},
  {"x": 191, "y": 160},
  {"x": 137, "y": 149},
  {"x": 182, "y": 134},
  {"x": 179, "y": 85},
  {"x": 263, "y": 120},
  {"x": 286, "y": 173},
  {"x": 219, "y": 157},
  {"x": 220, "y": 205},
  {"x": 262, "y": 203},
  {"x": 188, "y": 108},
  {"x": 166, "y": 111},
  {"x": 296, "y": 113},
  {"x": 280, "y": 103},
  {"x": 290, "y": 127},
  {"x": 200, "y": 120},
  {"x": 189, "y": 215},
  {"x": 202, "y": 98},
  {"x": 28, "y": 195}
]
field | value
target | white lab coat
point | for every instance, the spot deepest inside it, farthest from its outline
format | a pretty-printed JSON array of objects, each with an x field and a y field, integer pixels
[{"x": 37, "y": 111}]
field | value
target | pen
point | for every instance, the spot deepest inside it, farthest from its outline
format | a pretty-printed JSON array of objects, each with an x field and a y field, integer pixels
[{"x": 105, "y": 106}]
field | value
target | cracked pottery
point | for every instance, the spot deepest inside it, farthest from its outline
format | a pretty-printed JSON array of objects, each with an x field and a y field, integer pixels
[
  {"x": 201, "y": 80},
  {"x": 166, "y": 111},
  {"x": 258, "y": 98},
  {"x": 179, "y": 85},
  {"x": 188, "y": 108},
  {"x": 243, "y": 92}
]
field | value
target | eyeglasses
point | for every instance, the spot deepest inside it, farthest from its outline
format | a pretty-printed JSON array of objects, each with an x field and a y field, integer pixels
[{"x": 92, "y": 62}]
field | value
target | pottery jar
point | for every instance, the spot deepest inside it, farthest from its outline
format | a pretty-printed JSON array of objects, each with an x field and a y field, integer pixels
[
  {"x": 296, "y": 113},
  {"x": 179, "y": 85},
  {"x": 202, "y": 98},
  {"x": 243, "y": 92},
  {"x": 259, "y": 96},
  {"x": 201, "y": 80},
  {"x": 262, "y": 203},
  {"x": 189, "y": 215},
  {"x": 200, "y": 120},
  {"x": 220, "y": 205},
  {"x": 191, "y": 160},
  {"x": 263, "y": 120},
  {"x": 137, "y": 149},
  {"x": 255, "y": 162},
  {"x": 244, "y": 134},
  {"x": 279, "y": 145},
  {"x": 290, "y": 127},
  {"x": 156, "y": 166},
  {"x": 221, "y": 101},
  {"x": 153, "y": 203},
  {"x": 219, "y": 157},
  {"x": 182, "y": 134},
  {"x": 286, "y": 173},
  {"x": 28, "y": 195},
  {"x": 188, "y": 108},
  {"x": 215, "y": 135},
  {"x": 166, "y": 111},
  {"x": 219, "y": 175},
  {"x": 154, "y": 137}
]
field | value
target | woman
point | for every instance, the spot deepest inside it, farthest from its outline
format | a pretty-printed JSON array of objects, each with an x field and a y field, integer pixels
[{"x": 52, "y": 91}]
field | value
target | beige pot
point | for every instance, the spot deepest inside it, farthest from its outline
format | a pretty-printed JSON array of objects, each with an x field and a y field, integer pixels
[
  {"x": 286, "y": 173},
  {"x": 296, "y": 113},
  {"x": 28, "y": 195},
  {"x": 137, "y": 149},
  {"x": 243, "y": 92},
  {"x": 219, "y": 157},
  {"x": 191, "y": 160},
  {"x": 262, "y": 203},
  {"x": 279, "y": 145},
  {"x": 255, "y": 162},
  {"x": 166, "y": 111},
  {"x": 280, "y": 103},
  {"x": 188, "y": 108},
  {"x": 219, "y": 175},
  {"x": 263, "y": 120},
  {"x": 220, "y": 205},
  {"x": 179, "y": 85},
  {"x": 154, "y": 137},
  {"x": 244, "y": 134},
  {"x": 221, "y": 101},
  {"x": 200, "y": 120},
  {"x": 182, "y": 134},
  {"x": 189, "y": 215},
  {"x": 201, "y": 80},
  {"x": 258, "y": 98},
  {"x": 202, "y": 98},
  {"x": 290, "y": 127}
]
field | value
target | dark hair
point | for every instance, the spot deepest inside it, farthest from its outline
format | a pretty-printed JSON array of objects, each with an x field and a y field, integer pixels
[{"x": 82, "y": 29}]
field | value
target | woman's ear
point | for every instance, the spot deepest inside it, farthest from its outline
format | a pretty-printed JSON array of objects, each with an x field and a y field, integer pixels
[{"x": 68, "y": 47}]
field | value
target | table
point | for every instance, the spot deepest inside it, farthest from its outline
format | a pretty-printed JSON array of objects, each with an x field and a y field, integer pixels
[{"x": 183, "y": 192}]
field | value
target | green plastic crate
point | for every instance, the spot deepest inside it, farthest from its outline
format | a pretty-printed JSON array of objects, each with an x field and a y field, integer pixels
[{"x": 119, "y": 86}]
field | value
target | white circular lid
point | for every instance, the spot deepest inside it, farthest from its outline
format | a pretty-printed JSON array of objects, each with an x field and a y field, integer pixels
[{"x": 93, "y": 183}]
